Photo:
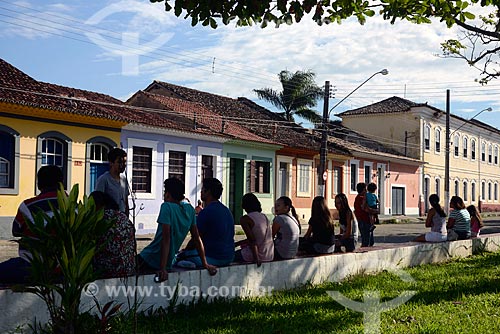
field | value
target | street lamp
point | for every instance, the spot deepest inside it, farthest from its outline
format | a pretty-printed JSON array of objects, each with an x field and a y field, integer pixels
[
  {"x": 448, "y": 143},
  {"x": 324, "y": 136}
]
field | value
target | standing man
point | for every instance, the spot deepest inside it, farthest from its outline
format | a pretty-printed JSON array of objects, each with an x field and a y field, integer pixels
[
  {"x": 113, "y": 182},
  {"x": 363, "y": 217},
  {"x": 16, "y": 270}
]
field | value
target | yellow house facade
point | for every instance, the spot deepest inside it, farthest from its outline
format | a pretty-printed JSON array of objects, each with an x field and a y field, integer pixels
[
  {"x": 42, "y": 137},
  {"x": 419, "y": 131}
]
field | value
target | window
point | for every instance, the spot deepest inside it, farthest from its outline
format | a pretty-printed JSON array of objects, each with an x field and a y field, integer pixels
[
  {"x": 473, "y": 149},
  {"x": 9, "y": 160},
  {"x": 473, "y": 192},
  {"x": 207, "y": 167},
  {"x": 483, "y": 152},
  {"x": 368, "y": 173},
  {"x": 141, "y": 169},
  {"x": 438, "y": 187},
  {"x": 465, "y": 146},
  {"x": 438, "y": 139},
  {"x": 177, "y": 165},
  {"x": 427, "y": 137},
  {"x": 5, "y": 172},
  {"x": 96, "y": 160},
  {"x": 483, "y": 190},
  {"x": 490, "y": 154},
  {"x": 465, "y": 191},
  {"x": 337, "y": 180},
  {"x": 489, "y": 191},
  {"x": 456, "y": 141},
  {"x": 304, "y": 170},
  {"x": 354, "y": 176},
  {"x": 456, "y": 188},
  {"x": 495, "y": 156},
  {"x": 495, "y": 192},
  {"x": 260, "y": 177},
  {"x": 54, "y": 149}
]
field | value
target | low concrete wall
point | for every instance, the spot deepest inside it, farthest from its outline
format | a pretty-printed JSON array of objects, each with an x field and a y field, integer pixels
[{"x": 19, "y": 309}]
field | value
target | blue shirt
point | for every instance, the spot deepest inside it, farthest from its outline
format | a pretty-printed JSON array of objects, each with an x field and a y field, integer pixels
[
  {"x": 371, "y": 200},
  {"x": 180, "y": 217},
  {"x": 216, "y": 226}
]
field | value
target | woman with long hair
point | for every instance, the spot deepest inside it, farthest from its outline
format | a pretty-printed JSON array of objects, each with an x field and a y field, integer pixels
[
  {"x": 286, "y": 229},
  {"x": 459, "y": 220},
  {"x": 320, "y": 235},
  {"x": 436, "y": 220},
  {"x": 258, "y": 246},
  {"x": 476, "y": 222},
  {"x": 348, "y": 225}
]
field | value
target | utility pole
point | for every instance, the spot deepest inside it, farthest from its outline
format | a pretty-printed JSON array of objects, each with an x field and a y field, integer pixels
[
  {"x": 447, "y": 156},
  {"x": 324, "y": 143}
]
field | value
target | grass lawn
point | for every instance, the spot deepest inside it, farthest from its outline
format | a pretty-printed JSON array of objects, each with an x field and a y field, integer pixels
[{"x": 455, "y": 297}]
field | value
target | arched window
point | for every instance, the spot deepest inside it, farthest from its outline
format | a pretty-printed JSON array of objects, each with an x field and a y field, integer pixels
[
  {"x": 96, "y": 160},
  {"x": 483, "y": 190},
  {"x": 465, "y": 191},
  {"x": 490, "y": 154},
  {"x": 465, "y": 146},
  {"x": 54, "y": 148},
  {"x": 495, "y": 155},
  {"x": 456, "y": 188},
  {"x": 438, "y": 139},
  {"x": 473, "y": 192},
  {"x": 489, "y": 191},
  {"x": 456, "y": 141},
  {"x": 9, "y": 161},
  {"x": 438, "y": 187},
  {"x": 473, "y": 149},
  {"x": 427, "y": 137},
  {"x": 483, "y": 152}
]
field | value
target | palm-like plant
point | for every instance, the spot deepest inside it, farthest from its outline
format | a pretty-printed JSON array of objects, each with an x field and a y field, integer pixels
[{"x": 299, "y": 94}]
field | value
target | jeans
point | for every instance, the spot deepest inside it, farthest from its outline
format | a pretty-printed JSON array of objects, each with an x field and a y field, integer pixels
[
  {"x": 365, "y": 228},
  {"x": 14, "y": 271}
]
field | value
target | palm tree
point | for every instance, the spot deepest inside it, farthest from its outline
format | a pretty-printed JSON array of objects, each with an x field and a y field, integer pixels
[{"x": 299, "y": 94}]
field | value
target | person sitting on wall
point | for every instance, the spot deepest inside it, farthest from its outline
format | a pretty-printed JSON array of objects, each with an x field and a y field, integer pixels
[
  {"x": 286, "y": 229},
  {"x": 258, "y": 247},
  {"x": 176, "y": 218},
  {"x": 458, "y": 220},
  {"x": 320, "y": 235},
  {"x": 216, "y": 226},
  {"x": 436, "y": 220},
  {"x": 16, "y": 270}
]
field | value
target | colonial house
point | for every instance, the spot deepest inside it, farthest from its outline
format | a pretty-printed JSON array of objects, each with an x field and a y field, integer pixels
[
  {"x": 44, "y": 124},
  {"x": 242, "y": 160},
  {"x": 417, "y": 130},
  {"x": 298, "y": 158}
]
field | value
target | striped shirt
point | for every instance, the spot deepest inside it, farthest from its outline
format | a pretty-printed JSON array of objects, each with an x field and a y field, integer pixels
[
  {"x": 27, "y": 210},
  {"x": 462, "y": 220}
]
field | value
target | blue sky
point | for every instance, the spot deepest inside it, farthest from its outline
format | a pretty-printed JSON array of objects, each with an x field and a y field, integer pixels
[{"x": 119, "y": 47}]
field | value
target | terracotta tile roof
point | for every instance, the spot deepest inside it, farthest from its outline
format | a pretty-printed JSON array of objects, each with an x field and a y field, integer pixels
[
  {"x": 248, "y": 114},
  {"x": 203, "y": 117},
  {"x": 18, "y": 88},
  {"x": 391, "y": 105}
]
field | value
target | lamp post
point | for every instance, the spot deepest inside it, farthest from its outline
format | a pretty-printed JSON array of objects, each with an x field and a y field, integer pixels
[
  {"x": 324, "y": 135},
  {"x": 448, "y": 143}
]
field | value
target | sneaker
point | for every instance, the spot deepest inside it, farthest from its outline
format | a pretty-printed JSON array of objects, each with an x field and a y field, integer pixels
[{"x": 186, "y": 264}]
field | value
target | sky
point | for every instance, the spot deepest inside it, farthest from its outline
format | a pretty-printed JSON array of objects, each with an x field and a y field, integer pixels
[{"x": 119, "y": 47}]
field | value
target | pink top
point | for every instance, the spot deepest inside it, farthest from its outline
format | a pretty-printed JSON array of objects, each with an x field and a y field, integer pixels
[
  {"x": 474, "y": 226},
  {"x": 263, "y": 238}
]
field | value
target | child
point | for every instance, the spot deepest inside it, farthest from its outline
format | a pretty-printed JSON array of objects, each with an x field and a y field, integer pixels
[
  {"x": 476, "y": 222},
  {"x": 372, "y": 203}
]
